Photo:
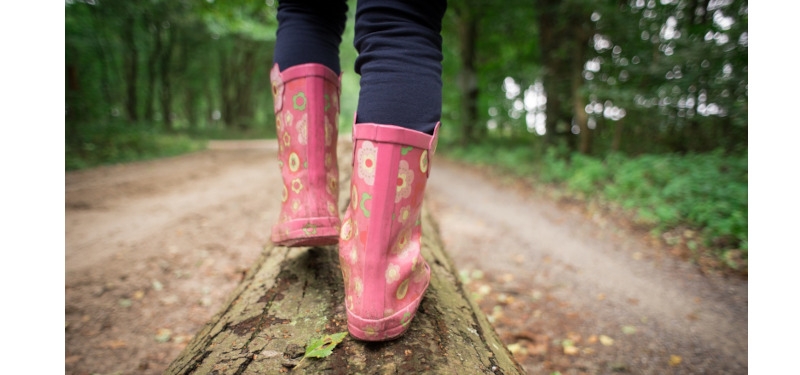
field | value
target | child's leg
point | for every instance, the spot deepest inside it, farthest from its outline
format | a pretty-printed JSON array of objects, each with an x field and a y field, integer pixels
[
  {"x": 306, "y": 88},
  {"x": 394, "y": 137},
  {"x": 400, "y": 62},
  {"x": 310, "y": 32}
]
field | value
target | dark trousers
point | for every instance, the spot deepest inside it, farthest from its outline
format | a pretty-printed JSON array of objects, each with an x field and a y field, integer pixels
[{"x": 399, "y": 48}]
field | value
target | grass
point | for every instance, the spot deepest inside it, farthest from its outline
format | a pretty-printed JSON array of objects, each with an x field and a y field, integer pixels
[
  {"x": 91, "y": 145},
  {"x": 694, "y": 201}
]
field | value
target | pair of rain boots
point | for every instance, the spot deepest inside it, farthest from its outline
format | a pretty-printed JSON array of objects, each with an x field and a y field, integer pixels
[{"x": 385, "y": 275}]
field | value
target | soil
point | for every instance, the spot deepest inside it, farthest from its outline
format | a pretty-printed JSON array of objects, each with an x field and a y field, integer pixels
[{"x": 154, "y": 248}]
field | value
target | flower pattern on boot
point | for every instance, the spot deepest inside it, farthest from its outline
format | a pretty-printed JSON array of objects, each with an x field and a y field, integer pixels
[
  {"x": 384, "y": 273},
  {"x": 306, "y": 118}
]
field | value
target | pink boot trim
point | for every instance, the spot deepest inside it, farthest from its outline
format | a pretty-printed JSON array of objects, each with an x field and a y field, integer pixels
[
  {"x": 384, "y": 272},
  {"x": 306, "y": 118}
]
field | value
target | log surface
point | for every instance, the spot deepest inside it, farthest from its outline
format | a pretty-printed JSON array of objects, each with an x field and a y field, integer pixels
[{"x": 292, "y": 296}]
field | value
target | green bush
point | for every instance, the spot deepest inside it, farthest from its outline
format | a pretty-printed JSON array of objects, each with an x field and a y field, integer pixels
[
  {"x": 705, "y": 192},
  {"x": 90, "y": 145}
]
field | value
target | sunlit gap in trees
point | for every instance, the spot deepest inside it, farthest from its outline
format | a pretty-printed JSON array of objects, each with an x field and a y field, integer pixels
[{"x": 531, "y": 104}]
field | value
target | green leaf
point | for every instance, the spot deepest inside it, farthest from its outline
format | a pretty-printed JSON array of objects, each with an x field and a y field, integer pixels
[{"x": 321, "y": 348}]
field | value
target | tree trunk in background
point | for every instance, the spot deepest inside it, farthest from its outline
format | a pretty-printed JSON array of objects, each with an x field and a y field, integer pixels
[
  {"x": 563, "y": 34},
  {"x": 131, "y": 67},
  {"x": 617, "y": 140},
  {"x": 166, "y": 93},
  {"x": 468, "y": 77},
  {"x": 225, "y": 87},
  {"x": 578, "y": 106},
  {"x": 244, "y": 85},
  {"x": 189, "y": 102},
  {"x": 578, "y": 103},
  {"x": 190, "y": 90},
  {"x": 554, "y": 40},
  {"x": 152, "y": 73},
  {"x": 73, "y": 91},
  {"x": 210, "y": 106}
]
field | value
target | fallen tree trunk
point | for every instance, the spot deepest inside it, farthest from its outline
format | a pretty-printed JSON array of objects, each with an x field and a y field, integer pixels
[{"x": 292, "y": 296}]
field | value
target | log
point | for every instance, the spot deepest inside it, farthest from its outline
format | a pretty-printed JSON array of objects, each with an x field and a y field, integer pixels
[{"x": 292, "y": 296}]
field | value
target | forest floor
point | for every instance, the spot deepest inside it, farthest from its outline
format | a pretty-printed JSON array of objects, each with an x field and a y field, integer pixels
[{"x": 154, "y": 248}]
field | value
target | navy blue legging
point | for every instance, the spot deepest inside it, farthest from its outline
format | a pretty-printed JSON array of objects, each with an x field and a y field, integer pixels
[{"x": 399, "y": 48}]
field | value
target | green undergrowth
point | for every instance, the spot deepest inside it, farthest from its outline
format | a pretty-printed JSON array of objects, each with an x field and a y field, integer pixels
[
  {"x": 694, "y": 201},
  {"x": 91, "y": 145}
]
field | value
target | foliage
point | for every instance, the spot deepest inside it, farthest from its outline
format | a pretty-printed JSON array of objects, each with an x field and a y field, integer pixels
[
  {"x": 664, "y": 192},
  {"x": 651, "y": 76},
  {"x": 566, "y": 91},
  {"x": 180, "y": 63},
  {"x": 322, "y": 347},
  {"x": 118, "y": 142}
]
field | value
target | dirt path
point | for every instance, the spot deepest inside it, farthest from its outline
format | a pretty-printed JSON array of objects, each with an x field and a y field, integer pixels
[
  {"x": 562, "y": 276},
  {"x": 153, "y": 249}
]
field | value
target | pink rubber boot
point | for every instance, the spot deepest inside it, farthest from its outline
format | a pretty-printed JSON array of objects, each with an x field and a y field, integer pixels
[
  {"x": 306, "y": 117},
  {"x": 384, "y": 273}
]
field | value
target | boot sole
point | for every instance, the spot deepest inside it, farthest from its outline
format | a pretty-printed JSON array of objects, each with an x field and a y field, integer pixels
[{"x": 325, "y": 232}]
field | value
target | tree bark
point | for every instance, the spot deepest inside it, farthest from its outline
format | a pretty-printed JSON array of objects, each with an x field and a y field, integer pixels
[
  {"x": 131, "y": 68},
  {"x": 579, "y": 112},
  {"x": 468, "y": 77},
  {"x": 294, "y": 295},
  {"x": 152, "y": 72},
  {"x": 616, "y": 142},
  {"x": 244, "y": 84},
  {"x": 166, "y": 88}
]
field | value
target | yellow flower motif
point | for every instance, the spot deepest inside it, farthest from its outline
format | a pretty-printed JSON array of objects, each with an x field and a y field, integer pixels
[
  {"x": 333, "y": 184},
  {"x": 328, "y": 132},
  {"x": 294, "y": 162},
  {"x": 345, "y": 272},
  {"x": 423, "y": 161},
  {"x": 404, "y": 239},
  {"x": 354, "y": 255},
  {"x": 284, "y": 194},
  {"x": 402, "y": 289},
  {"x": 354, "y": 197},
  {"x": 404, "y": 213},
  {"x": 295, "y": 205},
  {"x": 347, "y": 230},
  {"x": 359, "y": 286},
  {"x": 297, "y": 185},
  {"x": 287, "y": 139},
  {"x": 336, "y": 102},
  {"x": 310, "y": 229},
  {"x": 277, "y": 88},
  {"x": 289, "y": 119},
  {"x": 331, "y": 208},
  {"x": 392, "y": 273}
]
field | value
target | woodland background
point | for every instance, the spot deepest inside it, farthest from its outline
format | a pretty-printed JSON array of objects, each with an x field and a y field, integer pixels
[{"x": 637, "y": 107}]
